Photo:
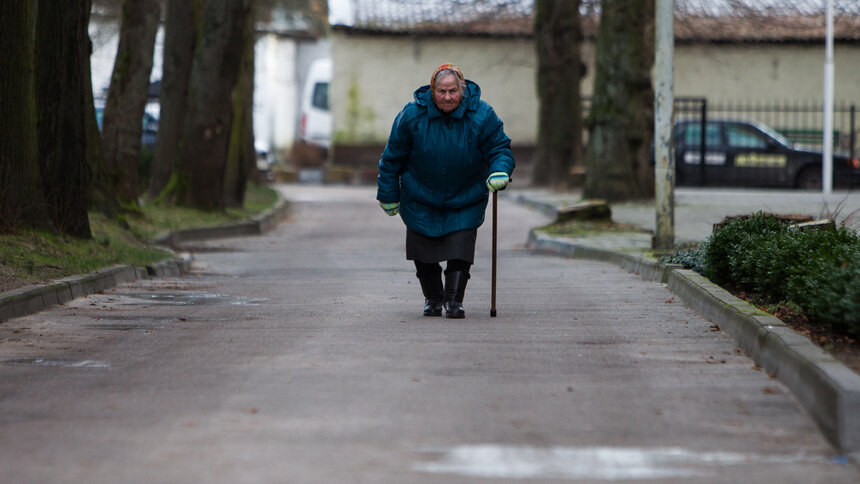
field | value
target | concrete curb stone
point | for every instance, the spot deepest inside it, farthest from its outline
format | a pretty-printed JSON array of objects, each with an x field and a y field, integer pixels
[
  {"x": 256, "y": 226},
  {"x": 828, "y": 390}
]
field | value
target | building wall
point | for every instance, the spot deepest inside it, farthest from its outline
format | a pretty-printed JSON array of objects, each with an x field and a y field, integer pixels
[
  {"x": 383, "y": 71},
  {"x": 375, "y": 76},
  {"x": 275, "y": 92},
  {"x": 772, "y": 72}
]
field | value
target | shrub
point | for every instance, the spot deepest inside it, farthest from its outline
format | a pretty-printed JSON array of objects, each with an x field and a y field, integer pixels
[
  {"x": 690, "y": 256},
  {"x": 727, "y": 258},
  {"x": 816, "y": 270}
]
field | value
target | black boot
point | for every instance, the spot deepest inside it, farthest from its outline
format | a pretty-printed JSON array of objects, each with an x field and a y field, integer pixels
[
  {"x": 431, "y": 286},
  {"x": 455, "y": 290}
]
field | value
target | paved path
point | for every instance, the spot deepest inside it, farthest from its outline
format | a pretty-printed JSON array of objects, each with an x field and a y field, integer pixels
[
  {"x": 698, "y": 209},
  {"x": 301, "y": 356}
]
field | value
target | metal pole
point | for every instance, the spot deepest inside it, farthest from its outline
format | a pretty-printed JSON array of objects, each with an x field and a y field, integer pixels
[
  {"x": 664, "y": 166},
  {"x": 827, "y": 157},
  {"x": 852, "y": 137},
  {"x": 495, "y": 238},
  {"x": 702, "y": 147}
]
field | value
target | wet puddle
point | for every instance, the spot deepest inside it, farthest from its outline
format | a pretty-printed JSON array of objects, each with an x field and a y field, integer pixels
[
  {"x": 146, "y": 328},
  {"x": 596, "y": 463},
  {"x": 47, "y": 362},
  {"x": 190, "y": 299}
]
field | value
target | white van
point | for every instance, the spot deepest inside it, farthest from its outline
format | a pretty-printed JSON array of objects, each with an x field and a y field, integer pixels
[{"x": 316, "y": 116}]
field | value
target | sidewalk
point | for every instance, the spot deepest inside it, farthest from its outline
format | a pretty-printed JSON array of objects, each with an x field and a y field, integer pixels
[
  {"x": 697, "y": 209},
  {"x": 827, "y": 389}
]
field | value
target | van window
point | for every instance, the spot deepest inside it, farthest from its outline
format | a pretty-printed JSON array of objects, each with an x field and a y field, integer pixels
[{"x": 319, "y": 99}]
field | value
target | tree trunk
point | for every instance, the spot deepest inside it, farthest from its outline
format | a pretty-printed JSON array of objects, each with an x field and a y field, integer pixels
[
  {"x": 557, "y": 34},
  {"x": 102, "y": 193},
  {"x": 242, "y": 157},
  {"x": 129, "y": 89},
  {"x": 179, "y": 43},
  {"x": 199, "y": 178},
  {"x": 21, "y": 196},
  {"x": 620, "y": 124},
  {"x": 62, "y": 54}
]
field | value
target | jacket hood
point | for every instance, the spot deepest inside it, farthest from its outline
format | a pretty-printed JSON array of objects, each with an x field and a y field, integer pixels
[{"x": 471, "y": 100}]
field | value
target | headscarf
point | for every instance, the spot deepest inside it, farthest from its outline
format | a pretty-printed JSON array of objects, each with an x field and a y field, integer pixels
[{"x": 451, "y": 67}]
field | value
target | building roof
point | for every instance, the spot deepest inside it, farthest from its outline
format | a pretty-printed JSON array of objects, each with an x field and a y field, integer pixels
[
  {"x": 466, "y": 17},
  {"x": 695, "y": 21}
]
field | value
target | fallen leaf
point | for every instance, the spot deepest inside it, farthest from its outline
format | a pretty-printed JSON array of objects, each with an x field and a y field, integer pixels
[
  {"x": 770, "y": 391},
  {"x": 670, "y": 300}
]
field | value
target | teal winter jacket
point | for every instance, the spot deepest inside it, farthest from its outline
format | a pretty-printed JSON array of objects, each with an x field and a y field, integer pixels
[{"x": 436, "y": 165}]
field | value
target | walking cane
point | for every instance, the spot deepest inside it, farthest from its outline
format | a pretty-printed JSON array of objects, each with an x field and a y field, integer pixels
[{"x": 495, "y": 218}]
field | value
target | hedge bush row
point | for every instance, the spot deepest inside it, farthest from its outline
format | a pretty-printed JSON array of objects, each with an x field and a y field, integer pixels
[{"x": 817, "y": 271}]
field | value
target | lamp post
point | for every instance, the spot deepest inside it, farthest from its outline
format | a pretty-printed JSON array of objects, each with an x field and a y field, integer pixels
[
  {"x": 827, "y": 156},
  {"x": 664, "y": 163}
]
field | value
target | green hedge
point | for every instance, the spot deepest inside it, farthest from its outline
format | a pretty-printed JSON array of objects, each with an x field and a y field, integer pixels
[{"x": 818, "y": 271}]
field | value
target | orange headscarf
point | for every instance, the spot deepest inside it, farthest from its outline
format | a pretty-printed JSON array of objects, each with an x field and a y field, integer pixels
[{"x": 450, "y": 67}]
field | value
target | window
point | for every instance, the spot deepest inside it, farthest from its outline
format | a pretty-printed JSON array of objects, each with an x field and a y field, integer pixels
[
  {"x": 693, "y": 135},
  {"x": 320, "y": 96},
  {"x": 743, "y": 137}
]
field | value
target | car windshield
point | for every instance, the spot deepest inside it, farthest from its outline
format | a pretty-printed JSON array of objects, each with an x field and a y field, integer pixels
[{"x": 774, "y": 134}]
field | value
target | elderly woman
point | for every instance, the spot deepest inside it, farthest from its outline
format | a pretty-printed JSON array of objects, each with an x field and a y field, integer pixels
[{"x": 447, "y": 150}]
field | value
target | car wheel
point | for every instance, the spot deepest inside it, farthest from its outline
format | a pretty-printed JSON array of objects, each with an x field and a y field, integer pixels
[{"x": 809, "y": 178}]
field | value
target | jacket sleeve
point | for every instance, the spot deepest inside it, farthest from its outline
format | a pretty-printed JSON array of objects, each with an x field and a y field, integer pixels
[
  {"x": 496, "y": 146},
  {"x": 496, "y": 152},
  {"x": 394, "y": 158}
]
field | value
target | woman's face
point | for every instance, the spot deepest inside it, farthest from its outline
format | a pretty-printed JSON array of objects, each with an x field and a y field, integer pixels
[{"x": 447, "y": 94}]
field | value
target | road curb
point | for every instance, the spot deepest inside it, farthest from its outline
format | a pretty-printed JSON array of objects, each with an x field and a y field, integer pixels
[
  {"x": 828, "y": 390},
  {"x": 28, "y": 300},
  {"x": 32, "y": 299},
  {"x": 256, "y": 226}
]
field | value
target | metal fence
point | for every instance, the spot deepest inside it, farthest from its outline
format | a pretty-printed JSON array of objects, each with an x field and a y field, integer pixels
[{"x": 802, "y": 123}]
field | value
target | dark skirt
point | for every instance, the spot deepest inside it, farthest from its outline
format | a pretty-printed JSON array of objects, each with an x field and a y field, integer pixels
[{"x": 456, "y": 245}]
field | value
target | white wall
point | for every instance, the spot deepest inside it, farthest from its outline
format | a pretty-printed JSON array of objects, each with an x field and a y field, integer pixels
[
  {"x": 275, "y": 92},
  {"x": 765, "y": 72},
  {"x": 386, "y": 72},
  {"x": 387, "y": 69}
]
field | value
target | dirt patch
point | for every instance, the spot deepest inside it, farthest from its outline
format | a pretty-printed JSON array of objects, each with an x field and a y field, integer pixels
[{"x": 844, "y": 348}]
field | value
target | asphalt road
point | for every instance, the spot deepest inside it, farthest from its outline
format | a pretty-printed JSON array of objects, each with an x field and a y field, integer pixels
[{"x": 302, "y": 356}]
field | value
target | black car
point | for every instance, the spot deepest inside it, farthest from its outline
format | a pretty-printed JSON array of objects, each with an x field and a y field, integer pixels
[{"x": 754, "y": 155}]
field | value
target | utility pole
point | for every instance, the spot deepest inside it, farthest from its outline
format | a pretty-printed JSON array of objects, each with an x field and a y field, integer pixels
[
  {"x": 827, "y": 156},
  {"x": 664, "y": 166}
]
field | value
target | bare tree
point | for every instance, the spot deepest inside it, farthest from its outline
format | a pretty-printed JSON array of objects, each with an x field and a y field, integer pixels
[
  {"x": 557, "y": 34},
  {"x": 242, "y": 154},
  {"x": 620, "y": 123},
  {"x": 21, "y": 197},
  {"x": 126, "y": 101},
  {"x": 102, "y": 193},
  {"x": 199, "y": 174},
  {"x": 180, "y": 28},
  {"x": 62, "y": 57}
]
